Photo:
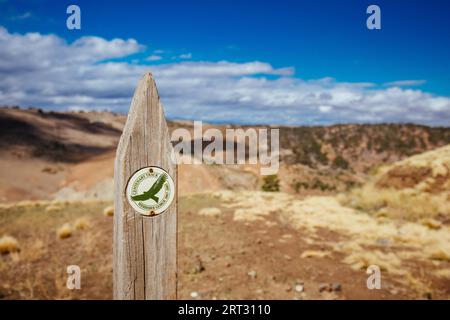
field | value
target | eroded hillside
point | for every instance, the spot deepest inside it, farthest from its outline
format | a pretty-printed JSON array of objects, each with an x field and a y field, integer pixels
[{"x": 63, "y": 154}]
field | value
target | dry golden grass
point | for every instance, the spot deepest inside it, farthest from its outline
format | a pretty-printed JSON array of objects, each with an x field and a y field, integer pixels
[
  {"x": 431, "y": 223},
  {"x": 417, "y": 188},
  {"x": 251, "y": 205},
  {"x": 249, "y": 214},
  {"x": 81, "y": 223},
  {"x": 362, "y": 259},
  {"x": 407, "y": 204},
  {"x": 25, "y": 204},
  {"x": 315, "y": 254},
  {"x": 442, "y": 273},
  {"x": 211, "y": 212},
  {"x": 422, "y": 288},
  {"x": 34, "y": 251},
  {"x": 53, "y": 208},
  {"x": 8, "y": 244},
  {"x": 65, "y": 231},
  {"x": 108, "y": 211},
  {"x": 440, "y": 254}
]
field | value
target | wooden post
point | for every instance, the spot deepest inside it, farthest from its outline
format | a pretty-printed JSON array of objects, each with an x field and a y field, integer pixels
[{"x": 145, "y": 244}]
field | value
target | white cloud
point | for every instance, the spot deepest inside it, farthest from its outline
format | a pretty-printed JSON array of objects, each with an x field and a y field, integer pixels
[
  {"x": 405, "y": 83},
  {"x": 46, "y": 71},
  {"x": 325, "y": 108},
  {"x": 22, "y": 16},
  {"x": 185, "y": 56},
  {"x": 154, "y": 57},
  {"x": 222, "y": 69}
]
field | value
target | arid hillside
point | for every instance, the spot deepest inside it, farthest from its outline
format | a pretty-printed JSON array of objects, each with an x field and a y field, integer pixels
[
  {"x": 414, "y": 189},
  {"x": 71, "y": 155}
]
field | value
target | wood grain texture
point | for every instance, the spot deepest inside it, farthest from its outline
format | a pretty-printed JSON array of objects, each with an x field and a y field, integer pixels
[{"x": 144, "y": 248}]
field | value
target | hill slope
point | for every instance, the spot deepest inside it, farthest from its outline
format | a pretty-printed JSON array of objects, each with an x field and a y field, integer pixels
[
  {"x": 74, "y": 152},
  {"x": 415, "y": 189}
]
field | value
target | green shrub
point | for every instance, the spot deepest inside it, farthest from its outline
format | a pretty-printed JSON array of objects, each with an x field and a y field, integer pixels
[
  {"x": 340, "y": 162},
  {"x": 319, "y": 184},
  {"x": 271, "y": 183},
  {"x": 300, "y": 185}
]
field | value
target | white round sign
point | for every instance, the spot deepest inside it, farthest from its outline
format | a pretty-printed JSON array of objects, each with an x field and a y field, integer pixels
[{"x": 150, "y": 191}]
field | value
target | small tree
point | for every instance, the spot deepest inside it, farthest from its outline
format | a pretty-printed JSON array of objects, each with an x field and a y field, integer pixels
[
  {"x": 271, "y": 183},
  {"x": 340, "y": 162}
]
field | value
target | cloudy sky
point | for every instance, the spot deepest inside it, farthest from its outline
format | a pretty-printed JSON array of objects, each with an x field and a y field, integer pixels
[{"x": 298, "y": 62}]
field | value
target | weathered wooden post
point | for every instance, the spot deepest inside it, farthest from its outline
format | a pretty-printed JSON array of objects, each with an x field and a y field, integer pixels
[{"x": 145, "y": 215}]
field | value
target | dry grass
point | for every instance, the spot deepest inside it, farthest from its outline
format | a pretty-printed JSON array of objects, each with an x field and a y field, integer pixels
[
  {"x": 34, "y": 251},
  {"x": 417, "y": 190},
  {"x": 56, "y": 206},
  {"x": 251, "y": 205},
  {"x": 315, "y": 254},
  {"x": 440, "y": 254},
  {"x": 362, "y": 259},
  {"x": 442, "y": 273},
  {"x": 249, "y": 214},
  {"x": 108, "y": 211},
  {"x": 81, "y": 223},
  {"x": 406, "y": 204},
  {"x": 8, "y": 244},
  {"x": 414, "y": 189},
  {"x": 211, "y": 212},
  {"x": 65, "y": 231},
  {"x": 431, "y": 223}
]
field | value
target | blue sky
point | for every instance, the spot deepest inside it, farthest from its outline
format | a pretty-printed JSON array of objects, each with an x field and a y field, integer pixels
[{"x": 325, "y": 44}]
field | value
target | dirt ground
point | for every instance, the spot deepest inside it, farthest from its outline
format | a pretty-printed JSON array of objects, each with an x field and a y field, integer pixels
[{"x": 219, "y": 257}]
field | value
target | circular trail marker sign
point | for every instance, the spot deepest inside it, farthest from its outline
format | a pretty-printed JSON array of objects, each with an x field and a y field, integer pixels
[{"x": 150, "y": 191}]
